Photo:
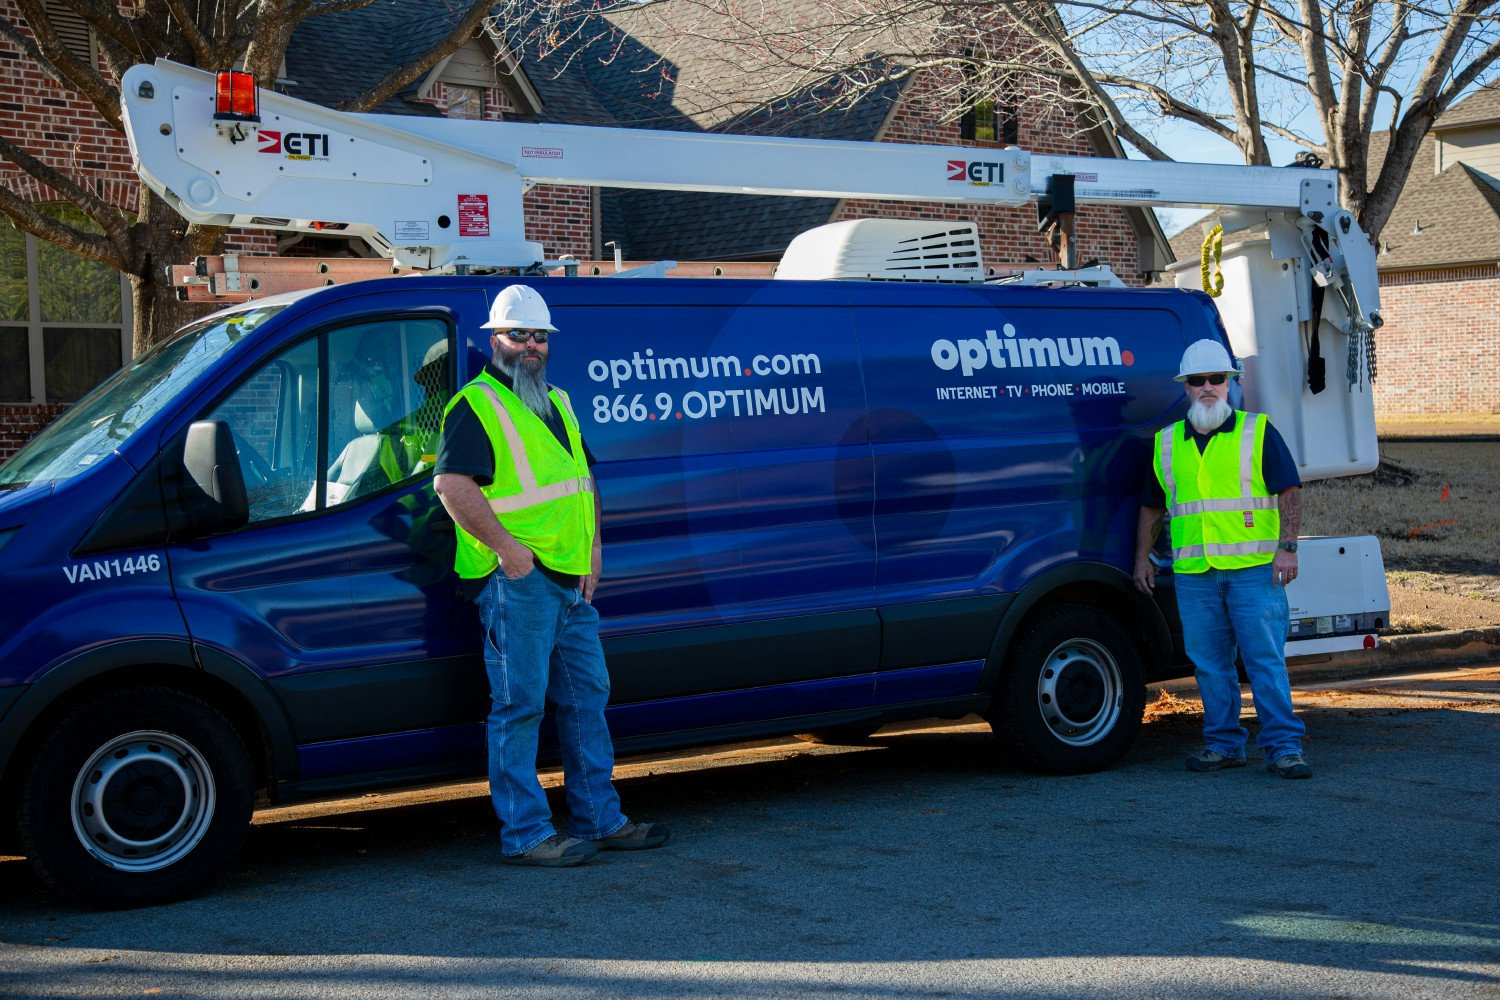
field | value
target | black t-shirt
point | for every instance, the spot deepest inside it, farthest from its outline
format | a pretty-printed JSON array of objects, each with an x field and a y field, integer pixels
[
  {"x": 1276, "y": 465},
  {"x": 465, "y": 450}
]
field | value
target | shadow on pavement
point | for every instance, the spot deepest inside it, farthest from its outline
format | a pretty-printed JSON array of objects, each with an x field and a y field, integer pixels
[{"x": 918, "y": 848}]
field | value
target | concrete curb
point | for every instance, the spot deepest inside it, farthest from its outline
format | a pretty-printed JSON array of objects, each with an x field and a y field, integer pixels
[
  {"x": 1422, "y": 652},
  {"x": 1403, "y": 654}
]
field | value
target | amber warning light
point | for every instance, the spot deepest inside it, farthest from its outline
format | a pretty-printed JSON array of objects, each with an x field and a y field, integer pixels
[{"x": 237, "y": 98}]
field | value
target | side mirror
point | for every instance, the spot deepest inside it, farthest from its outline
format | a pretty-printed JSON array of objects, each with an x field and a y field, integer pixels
[{"x": 213, "y": 487}]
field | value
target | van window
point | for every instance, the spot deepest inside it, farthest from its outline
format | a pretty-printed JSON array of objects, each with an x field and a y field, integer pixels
[
  {"x": 389, "y": 386},
  {"x": 274, "y": 420},
  {"x": 341, "y": 416}
]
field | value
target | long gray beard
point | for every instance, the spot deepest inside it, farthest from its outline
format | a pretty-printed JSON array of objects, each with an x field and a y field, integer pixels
[
  {"x": 1207, "y": 419},
  {"x": 529, "y": 384}
]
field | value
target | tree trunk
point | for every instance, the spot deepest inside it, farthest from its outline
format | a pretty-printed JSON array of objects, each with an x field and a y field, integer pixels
[
  {"x": 158, "y": 313},
  {"x": 158, "y": 239}
]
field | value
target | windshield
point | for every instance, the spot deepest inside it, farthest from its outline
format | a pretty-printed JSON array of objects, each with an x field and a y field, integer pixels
[{"x": 104, "y": 419}]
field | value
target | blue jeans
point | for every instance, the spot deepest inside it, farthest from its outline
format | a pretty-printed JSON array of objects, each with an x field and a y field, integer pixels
[
  {"x": 1225, "y": 609},
  {"x": 542, "y": 644}
]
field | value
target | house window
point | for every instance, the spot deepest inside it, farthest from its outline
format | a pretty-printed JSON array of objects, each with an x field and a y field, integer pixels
[
  {"x": 64, "y": 319},
  {"x": 464, "y": 102},
  {"x": 990, "y": 119},
  {"x": 978, "y": 123}
]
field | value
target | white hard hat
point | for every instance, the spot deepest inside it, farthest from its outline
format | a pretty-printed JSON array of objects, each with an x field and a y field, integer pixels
[
  {"x": 519, "y": 307},
  {"x": 1205, "y": 357}
]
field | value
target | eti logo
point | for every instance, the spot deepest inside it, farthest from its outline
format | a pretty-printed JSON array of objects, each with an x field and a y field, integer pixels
[
  {"x": 976, "y": 171},
  {"x": 295, "y": 145}
]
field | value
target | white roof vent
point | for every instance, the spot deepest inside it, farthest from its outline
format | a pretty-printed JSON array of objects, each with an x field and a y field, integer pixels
[{"x": 885, "y": 250}]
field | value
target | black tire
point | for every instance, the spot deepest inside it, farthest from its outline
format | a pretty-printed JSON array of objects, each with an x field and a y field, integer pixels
[
  {"x": 1071, "y": 692},
  {"x": 854, "y": 735},
  {"x": 137, "y": 797}
]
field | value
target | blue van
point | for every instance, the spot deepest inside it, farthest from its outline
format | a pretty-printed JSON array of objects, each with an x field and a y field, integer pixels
[{"x": 827, "y": 506}]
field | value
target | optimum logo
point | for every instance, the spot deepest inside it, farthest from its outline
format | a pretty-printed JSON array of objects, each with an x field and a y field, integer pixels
[
  {"x": 294, "y": 145},
  {"x": 969, "y": 356}
]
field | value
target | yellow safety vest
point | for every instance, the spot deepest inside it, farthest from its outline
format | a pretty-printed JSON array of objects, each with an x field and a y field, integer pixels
[
  {"x": 1222, "y": 515},
  {"x": 541, "y": 494}
]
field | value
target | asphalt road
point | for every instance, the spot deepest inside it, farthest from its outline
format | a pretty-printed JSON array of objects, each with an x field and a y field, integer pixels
[{"x": 918, "y": 866}]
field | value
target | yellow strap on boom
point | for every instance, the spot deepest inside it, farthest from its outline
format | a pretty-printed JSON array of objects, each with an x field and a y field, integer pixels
[{"x": 1213, "y": 278}]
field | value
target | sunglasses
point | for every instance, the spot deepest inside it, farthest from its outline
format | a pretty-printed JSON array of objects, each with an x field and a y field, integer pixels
[
  {"x": 521, "y": 336},
  {"x": 1218, "y": 378}
]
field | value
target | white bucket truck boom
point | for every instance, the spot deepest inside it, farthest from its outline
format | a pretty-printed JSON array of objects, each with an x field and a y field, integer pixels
[{"x": 443, "y": 194}]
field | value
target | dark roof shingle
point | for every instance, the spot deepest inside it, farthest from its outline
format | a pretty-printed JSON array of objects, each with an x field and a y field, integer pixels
[
  {"x": 1479, "y": 108},
  {"x": 1439, "y": 220},
  {"x": 643, "y": 67},
  {"x": 384, "y": 35}
]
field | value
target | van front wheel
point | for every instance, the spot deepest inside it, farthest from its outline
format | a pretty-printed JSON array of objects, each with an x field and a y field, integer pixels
[
  {"x": 1071, "y": 692},
  {"x": 137, "y": 797}
]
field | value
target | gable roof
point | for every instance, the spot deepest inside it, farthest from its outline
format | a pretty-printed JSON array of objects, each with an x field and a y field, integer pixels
[
  {"x": 1479, "y": 108},
  {"x": 654, "y": 66},
  {"x": 1441, "y": 220},
  {"x": 1187, "y": 244},
  {"x": 384, "y": 35},
  {"x": 617, "y": 73}
]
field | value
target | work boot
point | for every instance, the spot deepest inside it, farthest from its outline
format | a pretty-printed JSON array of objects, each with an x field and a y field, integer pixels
[
  {"x": 1290, "y": 765},
  {"x": 556, "y": 851},
  {"x": 635, "y": 837},
  {"x": 1212, "y": 760}
]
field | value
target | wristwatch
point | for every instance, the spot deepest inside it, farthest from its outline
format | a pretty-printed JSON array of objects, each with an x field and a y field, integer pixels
[{"x": 1288, "y": 546}]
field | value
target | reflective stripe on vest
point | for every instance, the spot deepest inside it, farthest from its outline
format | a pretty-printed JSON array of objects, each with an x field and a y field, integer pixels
[
  {"x": 1223, "y": 549},
  {"x": 531, "y": 494},
  {"x": 1203, "y": 537}
]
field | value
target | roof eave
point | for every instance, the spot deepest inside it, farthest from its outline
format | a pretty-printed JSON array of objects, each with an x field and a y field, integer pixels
[
  {"x": 522, "y": 85},
  {"x": 520, "y": 89},
  {"x": 1441, "y": 265}
]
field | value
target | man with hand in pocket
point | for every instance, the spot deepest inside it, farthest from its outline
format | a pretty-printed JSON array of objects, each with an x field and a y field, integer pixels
[{"x": 513, "y": 471}]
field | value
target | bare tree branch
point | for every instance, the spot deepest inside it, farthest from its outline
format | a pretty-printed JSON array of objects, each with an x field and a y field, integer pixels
[
  {"x": 81, "y": 77},
  {"x": 1312, "y": 72},
  {"x": 29, "y": 49},
  {"x": 26, "y": 218},
  {"x": 211, "y": 34},
  {"x": 203, "y": 48},
  {"x": 336, "y": 6},
  {"x": 400, "y": 76},
  {"x": 1044, "y": 27},
  {"x": 102, "y": 15},
  {"x": 92, "y": 206}
]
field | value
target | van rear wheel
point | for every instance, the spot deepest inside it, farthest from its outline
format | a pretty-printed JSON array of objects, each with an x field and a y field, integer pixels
[
  {"x": 1071, "y": 692},
  {"x": 137, "y": 797}
]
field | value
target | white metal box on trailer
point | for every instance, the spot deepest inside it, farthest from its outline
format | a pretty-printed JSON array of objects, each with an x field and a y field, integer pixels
[
  {"x": 1340, "y": 595},
  {"x": 1266, "y": 307}
]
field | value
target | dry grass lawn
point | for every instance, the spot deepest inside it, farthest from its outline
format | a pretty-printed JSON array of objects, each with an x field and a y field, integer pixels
[{"x": 1433, "y": 506}]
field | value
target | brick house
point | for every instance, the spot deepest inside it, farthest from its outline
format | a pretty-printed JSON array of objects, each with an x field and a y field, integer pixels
[
  {"x": 65, "y": 322},
  {"x": 1439, "y": 260}
]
